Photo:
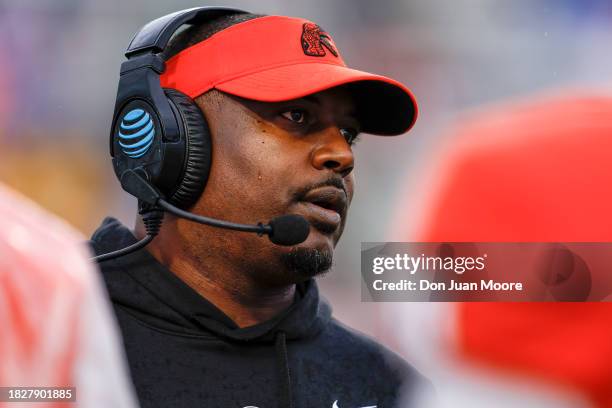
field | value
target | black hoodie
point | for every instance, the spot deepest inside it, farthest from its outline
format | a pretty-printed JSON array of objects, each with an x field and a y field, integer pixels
[{"x": 185, "y": 352}]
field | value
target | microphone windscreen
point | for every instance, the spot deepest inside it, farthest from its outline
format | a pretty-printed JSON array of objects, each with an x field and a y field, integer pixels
[{"x": 289, "y": 230}]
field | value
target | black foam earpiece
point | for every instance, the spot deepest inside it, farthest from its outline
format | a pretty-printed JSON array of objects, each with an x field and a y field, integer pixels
[{"x": 198, "y": 150}]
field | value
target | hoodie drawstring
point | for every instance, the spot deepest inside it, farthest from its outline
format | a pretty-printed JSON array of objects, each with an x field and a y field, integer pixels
[{"x": 286, "y": 401}]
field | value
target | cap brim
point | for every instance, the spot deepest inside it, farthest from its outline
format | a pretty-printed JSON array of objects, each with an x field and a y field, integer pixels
[{"x": 384, "y": 106}]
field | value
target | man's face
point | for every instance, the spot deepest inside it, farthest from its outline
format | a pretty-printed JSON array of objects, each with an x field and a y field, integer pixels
[{"x": 271, "y": 159}]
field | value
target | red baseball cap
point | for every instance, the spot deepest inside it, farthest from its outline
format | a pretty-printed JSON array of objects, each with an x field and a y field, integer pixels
[{"x": 277, "y": 58}]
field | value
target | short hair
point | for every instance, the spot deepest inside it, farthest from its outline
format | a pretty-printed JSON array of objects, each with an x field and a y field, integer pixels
[{"x": 200, "y": 32}]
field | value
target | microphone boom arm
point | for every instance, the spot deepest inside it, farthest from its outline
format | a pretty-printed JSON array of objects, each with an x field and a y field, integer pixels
[
  {"x": 285, "y": 230},
  {"x": 260, "y": 228}
]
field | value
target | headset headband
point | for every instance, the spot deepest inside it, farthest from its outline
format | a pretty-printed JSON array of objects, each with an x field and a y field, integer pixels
[{"x": 154, "y": 36}]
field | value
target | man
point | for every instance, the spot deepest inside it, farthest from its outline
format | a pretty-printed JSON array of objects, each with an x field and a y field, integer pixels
[{"x": 217, "y": 318}]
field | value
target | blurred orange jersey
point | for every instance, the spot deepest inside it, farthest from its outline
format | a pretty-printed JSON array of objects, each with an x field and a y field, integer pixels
[
  {"x": 538, "y": 170},
  {"x": 56, "y": 327}
]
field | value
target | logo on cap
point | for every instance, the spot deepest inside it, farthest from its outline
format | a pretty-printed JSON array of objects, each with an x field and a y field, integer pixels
[
  {"x": 315, "y": 40},
  {"x": 136, "y": 133}
]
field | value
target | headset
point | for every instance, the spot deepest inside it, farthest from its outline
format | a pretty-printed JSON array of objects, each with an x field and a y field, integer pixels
[
  {"x": 160, "y": 141},
  {"x": 161, "y": 132}
]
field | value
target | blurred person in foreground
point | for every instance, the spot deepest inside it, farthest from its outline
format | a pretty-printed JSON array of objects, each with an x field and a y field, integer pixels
[
  {"x": 57, "y": 327},
  {"x": 212, "y": 317},
  {"x": 538, "y": 170}
]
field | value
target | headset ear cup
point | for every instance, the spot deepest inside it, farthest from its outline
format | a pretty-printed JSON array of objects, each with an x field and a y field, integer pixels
[{"x": 198, "y": 150}]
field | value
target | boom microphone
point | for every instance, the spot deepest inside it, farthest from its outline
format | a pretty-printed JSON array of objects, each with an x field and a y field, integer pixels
[
  {"x": 286, "y": 230},
  {"x": 289, "y": 230}
]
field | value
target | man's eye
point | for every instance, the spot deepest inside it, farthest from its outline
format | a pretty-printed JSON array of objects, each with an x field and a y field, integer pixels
[
  {"x": 351, "y": 135},
  {"x": 295, "y": 115}
]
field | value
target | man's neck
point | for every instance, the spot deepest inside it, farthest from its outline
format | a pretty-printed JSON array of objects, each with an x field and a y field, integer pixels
[
  {"x": 238, "y": 299},
  {"x": 232, "y": 291}
]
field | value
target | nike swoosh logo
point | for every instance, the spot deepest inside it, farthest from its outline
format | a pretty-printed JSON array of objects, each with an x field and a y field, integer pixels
[{"x": 335, "y": 405}]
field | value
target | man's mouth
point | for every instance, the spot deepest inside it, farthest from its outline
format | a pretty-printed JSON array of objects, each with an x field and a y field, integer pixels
[{"x": 324, "y": 207}]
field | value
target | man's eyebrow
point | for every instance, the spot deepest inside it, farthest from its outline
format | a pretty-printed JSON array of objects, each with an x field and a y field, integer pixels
[{"x": 311, "y": 98}]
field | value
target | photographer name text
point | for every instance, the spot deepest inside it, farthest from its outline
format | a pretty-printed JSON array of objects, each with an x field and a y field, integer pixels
[{"x": 423, "y": 284}]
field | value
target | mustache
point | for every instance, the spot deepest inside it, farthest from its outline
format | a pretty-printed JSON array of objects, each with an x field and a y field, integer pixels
[{"x": 330, "y": 182}]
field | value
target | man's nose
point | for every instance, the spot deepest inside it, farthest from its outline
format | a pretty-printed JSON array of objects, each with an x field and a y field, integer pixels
[{"x": 333, "y": 152}]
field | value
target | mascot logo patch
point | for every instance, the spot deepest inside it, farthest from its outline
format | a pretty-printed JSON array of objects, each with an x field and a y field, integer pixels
[
  {"x": 315, "y": 40},
  {"x": 136, "y": 133}
]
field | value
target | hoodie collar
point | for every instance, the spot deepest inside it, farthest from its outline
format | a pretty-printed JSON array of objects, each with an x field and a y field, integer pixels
[{"x": 306, "y": 316}]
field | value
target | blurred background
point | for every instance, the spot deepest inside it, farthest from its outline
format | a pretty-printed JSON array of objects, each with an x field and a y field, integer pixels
[{"x": 59, "y": 65}]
